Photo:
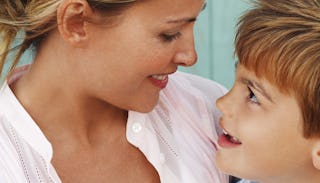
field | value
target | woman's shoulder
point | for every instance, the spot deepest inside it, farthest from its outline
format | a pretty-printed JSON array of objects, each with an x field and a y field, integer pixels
[
  {"x": 206, "y": 86},
  {"x": 193, "y": 99},
  {"x": 192, "y": 89},
  {"x": 187, "y": 111}
]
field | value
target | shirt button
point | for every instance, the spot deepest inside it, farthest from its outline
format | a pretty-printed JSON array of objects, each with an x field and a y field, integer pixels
[{"x": 136, "y": 127}]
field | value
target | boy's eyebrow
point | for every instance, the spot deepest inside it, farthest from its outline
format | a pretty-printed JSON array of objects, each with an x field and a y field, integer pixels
[{"x": 256, "y": 86}]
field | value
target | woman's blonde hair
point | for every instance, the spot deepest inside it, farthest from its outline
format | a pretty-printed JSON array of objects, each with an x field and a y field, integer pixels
[
  {"x": 280, "y": 41},
  {"x": 34, "y": 19}
]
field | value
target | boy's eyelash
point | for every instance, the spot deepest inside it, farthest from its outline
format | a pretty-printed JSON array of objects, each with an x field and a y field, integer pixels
[
  {"x": 251, "y": 95},
  {"x": 170, "y": 37}
]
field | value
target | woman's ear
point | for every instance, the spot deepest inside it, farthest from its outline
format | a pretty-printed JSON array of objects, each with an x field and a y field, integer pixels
[
  {"x": 71, "y": 19},
  {"x": 316, "y": 154}
]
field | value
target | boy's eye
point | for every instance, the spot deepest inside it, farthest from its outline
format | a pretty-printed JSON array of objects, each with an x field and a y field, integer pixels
[
  {"x": 252, "y": 97},
  {"x": 170, "y": 37}
]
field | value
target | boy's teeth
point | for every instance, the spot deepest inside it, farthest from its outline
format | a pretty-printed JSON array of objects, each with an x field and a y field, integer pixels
[
  {"x": 224, "y": 132},
  {"x": 159, "y": 77},
  {"x": 234, "y": 139}
]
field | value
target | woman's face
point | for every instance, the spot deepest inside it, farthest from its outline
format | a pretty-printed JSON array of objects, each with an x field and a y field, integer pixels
[
  {"x": 128, "y": 64},
  {"x": 265, "y": 140}
]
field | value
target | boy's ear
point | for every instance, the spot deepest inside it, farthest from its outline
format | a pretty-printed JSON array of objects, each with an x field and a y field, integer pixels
[
  {"x": 71, "y": 21},
  {"x": 316, "y": 154}
]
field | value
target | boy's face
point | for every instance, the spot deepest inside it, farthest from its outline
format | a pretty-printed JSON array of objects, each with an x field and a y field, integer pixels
[{"x": 266, "y": 124}]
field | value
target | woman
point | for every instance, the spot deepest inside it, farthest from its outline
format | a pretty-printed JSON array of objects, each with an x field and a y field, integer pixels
[{"x": 97, "y": 105}]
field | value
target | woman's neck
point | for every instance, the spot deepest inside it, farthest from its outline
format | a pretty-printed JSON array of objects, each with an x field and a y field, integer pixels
[{"x": 61, "y": 110}]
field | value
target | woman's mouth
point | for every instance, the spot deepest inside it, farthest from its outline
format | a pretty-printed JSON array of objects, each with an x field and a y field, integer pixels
[
  {"x": 159, "y": 80},
  {"x": 226, "y": 140}
]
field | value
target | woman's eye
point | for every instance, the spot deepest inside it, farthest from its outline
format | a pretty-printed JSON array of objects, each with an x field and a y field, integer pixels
[
  {"x": 170, "y": 37},
  {"x": 252, "y": 97}
]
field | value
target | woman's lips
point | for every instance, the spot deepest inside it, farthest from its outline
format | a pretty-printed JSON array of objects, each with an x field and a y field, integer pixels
[{"x": 160, "y": 81}]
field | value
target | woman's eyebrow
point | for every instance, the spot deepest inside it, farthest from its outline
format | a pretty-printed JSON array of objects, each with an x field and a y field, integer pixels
[
  {"x": 186, "y": 19},
  {"x": 182, "y": 20}
]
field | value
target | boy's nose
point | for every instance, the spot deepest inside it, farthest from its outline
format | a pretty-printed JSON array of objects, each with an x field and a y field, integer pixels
[{"x": 225, "y": 105}]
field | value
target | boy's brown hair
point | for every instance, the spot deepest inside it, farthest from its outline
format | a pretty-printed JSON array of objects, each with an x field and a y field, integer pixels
[{"x": 280, "y": 40}]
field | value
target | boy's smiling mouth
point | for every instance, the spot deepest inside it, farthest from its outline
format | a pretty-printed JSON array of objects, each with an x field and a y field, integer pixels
[
  {"x": 226, "y": 140},
  {"x": 231, "y": 138}
]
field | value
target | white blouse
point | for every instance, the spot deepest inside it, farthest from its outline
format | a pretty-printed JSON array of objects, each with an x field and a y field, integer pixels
[{"x": 178, "y": 137}]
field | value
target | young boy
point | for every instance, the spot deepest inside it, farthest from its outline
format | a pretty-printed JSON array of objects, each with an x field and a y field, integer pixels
[{"x": 271, "y": 116}]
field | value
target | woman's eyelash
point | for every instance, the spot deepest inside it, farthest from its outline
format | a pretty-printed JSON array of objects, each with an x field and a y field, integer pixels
[
  {"x": 170, "y": 37},
  {"x": 252, "y": 97}
]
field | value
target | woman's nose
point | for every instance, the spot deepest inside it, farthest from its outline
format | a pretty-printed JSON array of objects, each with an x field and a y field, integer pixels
[
  {"x": 186, "y": 57},
  {"x": 186, "y": 54}
]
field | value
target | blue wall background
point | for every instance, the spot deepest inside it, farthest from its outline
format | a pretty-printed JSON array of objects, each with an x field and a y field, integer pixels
[{"x": 214, "y": 36}]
